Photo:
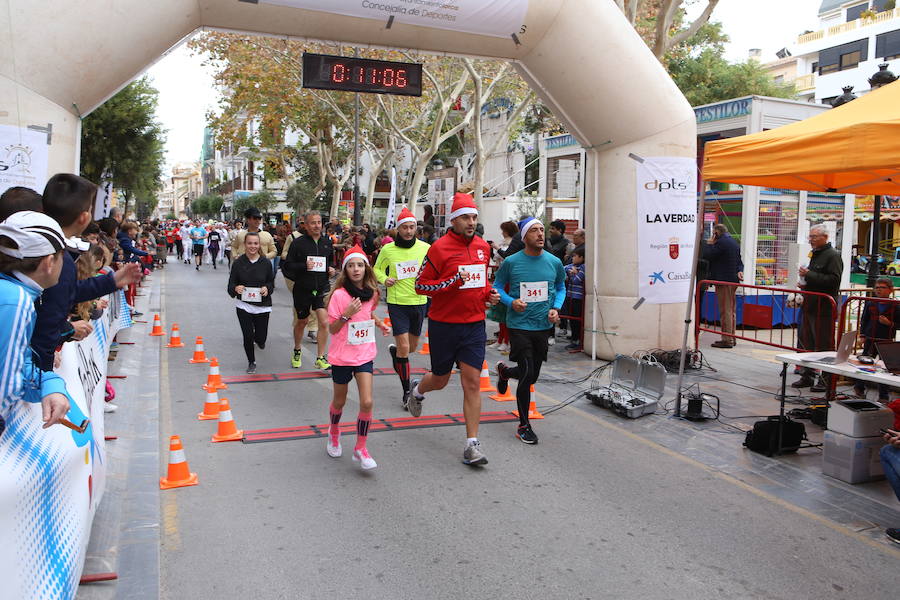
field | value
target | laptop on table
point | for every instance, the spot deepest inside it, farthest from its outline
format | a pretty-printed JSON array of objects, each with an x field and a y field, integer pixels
[
  {"x": 844, "y": 349},
  {"x": 890, "y": 356}
]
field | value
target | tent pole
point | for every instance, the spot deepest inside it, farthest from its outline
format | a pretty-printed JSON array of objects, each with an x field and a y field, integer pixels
[
  {"x": 690, "y": 300},
  {"x": 874, "y": 270}
]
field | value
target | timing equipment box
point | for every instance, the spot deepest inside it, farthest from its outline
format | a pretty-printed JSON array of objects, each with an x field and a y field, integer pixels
[
  {"x": 859, "y": 418},
  {"x": 852, "y": 459},
  {"x": 635, "y": 387}
]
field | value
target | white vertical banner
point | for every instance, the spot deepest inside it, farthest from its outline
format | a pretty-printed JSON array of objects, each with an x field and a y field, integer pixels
[
  {"x": 24, "y": 156},
  {"x": 666, "y": 227},
  {"x": 392, "y": 203},
  {"x": 101, "y": 202}
]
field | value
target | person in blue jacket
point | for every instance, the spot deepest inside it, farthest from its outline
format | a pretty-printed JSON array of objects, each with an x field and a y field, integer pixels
[
  {"x": 537, "y": 290},
  {"x": 68, "y": 200},
  {"x": 31, "y": 258},
  {"x": 126, "y": 242}
]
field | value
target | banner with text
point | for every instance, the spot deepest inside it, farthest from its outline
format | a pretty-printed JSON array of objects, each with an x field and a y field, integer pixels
[
  {"x": 24, "y": 155},
  {"x": 52, "y": 480},
  {"x": 497, "y": 18},
  {"x": 666, "y": 225}
]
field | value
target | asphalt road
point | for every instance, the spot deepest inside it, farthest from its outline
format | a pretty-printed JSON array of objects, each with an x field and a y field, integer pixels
[{"x": 593, "y": 511}]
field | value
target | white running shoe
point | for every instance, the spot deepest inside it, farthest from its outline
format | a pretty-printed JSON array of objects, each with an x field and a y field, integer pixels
[
  {"x": 551, "y": 341},
  {"x": 333, "y": 451},
  {"x": 110, "y": 407},
  {"x": 365, "y": 460}
]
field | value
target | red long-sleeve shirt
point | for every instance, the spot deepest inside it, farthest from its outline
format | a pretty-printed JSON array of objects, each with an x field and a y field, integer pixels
[{"x": 440, "y": 278}]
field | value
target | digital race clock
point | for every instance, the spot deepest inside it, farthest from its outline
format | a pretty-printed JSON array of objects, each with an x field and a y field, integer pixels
[{"x": 345, "y": 73}]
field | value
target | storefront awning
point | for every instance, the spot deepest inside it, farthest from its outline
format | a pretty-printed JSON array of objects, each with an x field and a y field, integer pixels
[{"x": 851, "y": 149}]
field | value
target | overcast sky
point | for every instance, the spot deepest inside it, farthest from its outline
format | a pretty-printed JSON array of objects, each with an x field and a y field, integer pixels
[{"x": 186, "y": 92}]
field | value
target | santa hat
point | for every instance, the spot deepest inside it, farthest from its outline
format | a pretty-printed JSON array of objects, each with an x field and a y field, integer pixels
[
  {"x": 463, "y": 204},
  {"x": 405, "y": 216},
  {"x": 526, "y": 224},
  {"x": 354, "y": 252}
]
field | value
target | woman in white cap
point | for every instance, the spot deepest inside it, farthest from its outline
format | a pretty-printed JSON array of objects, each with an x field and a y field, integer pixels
[{"x": 31, "y": 247}]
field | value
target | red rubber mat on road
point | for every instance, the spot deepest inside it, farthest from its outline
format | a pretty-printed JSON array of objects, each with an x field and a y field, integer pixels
[
  {"x": 295, "y": 375},
  {"x": 349, "y": 428}
]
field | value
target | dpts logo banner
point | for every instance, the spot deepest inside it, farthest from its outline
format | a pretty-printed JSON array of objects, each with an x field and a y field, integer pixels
[
  {"x": 667, "y": 221},
  {"x": 52, "y": 480}
]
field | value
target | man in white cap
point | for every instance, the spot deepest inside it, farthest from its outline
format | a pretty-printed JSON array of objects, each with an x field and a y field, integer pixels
[
  {"x": 396, "y": 268},
  {"x": 454, "y": 275},
  {"x": 32, "y": 246},
  {"x": 537, "y": 288}
]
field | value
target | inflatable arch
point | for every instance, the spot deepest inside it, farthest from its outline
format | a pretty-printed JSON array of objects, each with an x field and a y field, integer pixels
[{"x": 60, "y": 59}]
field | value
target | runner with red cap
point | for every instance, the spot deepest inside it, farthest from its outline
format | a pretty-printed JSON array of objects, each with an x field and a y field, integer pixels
[
  {"x": 454, "y": 275},
  {"x": 396, "y": 268}
]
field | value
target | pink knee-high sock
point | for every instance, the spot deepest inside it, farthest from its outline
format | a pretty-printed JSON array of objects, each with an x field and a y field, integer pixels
[
  {"x": 333, "y": 431},
  {"x": 363, "y": 420}
]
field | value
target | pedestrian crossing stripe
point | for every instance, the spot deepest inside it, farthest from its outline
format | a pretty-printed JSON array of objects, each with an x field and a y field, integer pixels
[
  {"x": 301, "y": 432},
  {"x": 299, "y": 375}
]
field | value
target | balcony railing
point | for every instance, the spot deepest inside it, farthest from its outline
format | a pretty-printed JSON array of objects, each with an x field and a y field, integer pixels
[
  {"x": 804, "y": 83},
  {"x": 881, "y": 17}
]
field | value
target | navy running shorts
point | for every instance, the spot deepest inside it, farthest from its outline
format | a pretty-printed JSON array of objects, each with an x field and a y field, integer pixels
[
  {"x": 343, "y": 374},
  {"x": 406, "y": 318},
  {"x": 199, "y": 249},
  {"x": 455, "y": 342}
]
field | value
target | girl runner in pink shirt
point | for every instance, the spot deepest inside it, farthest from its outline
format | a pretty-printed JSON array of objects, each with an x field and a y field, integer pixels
[{"x": 351, "y": 350}]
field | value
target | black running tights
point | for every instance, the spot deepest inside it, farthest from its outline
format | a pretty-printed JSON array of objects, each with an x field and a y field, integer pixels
[
  {"x": 255, "y": 328},
  {"x": 526, "y": 372}
]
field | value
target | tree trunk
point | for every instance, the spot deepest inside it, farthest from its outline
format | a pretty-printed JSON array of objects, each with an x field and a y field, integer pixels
[
  {"x": 480, "y": 158},
  {"x": 335, "y": 201}
]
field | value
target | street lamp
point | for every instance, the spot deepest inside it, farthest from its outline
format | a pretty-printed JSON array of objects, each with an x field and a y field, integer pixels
[{"x": 880, "y": 78}]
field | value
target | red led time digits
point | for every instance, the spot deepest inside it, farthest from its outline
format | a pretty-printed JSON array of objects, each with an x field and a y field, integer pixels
[{"x": 387, "y": 77}]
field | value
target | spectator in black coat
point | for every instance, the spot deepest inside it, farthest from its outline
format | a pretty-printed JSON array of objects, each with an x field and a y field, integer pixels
[{"x": 725, "y": 264}]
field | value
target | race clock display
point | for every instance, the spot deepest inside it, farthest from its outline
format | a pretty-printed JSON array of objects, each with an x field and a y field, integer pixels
[{"x": 345, "y": 73}]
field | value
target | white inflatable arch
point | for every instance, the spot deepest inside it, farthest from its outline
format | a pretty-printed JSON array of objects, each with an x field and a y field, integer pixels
[{"x": 61, "y": 59}]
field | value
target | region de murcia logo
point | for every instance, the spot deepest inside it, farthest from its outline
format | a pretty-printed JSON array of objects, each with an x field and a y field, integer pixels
[
  {"x": 16, "y": 158},
  {"x": 673, "y": 248}
]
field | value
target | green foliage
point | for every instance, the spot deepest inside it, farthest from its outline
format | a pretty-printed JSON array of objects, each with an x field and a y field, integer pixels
[
  {"x": 300, "y": 196},
  {"x": 123, "y": 139},
  {"x": 703, "y": 75},
  {"x": 207, "y": 205},
  {"x": 263, "y": 200},
  {"x": 240, "y": 205}
]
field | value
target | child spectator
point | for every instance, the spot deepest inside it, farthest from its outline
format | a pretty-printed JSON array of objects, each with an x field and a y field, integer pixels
[{"x": 575, "y": 296}]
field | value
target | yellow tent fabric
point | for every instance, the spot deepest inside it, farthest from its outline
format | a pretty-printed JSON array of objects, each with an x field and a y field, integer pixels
[{"x": 852, "y": 149}]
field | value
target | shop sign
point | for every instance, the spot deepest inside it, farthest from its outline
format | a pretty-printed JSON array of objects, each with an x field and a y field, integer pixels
[
  {"x": 560, "y": 141},
  {"x": 724, "y": 110}
]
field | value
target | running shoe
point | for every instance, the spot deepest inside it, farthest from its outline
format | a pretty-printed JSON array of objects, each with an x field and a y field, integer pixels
[
  {"x": 323, "y": 364},
  {"x": 413, "y": 402},
  {"x": 473, "y": 455},
  {"x": 312, "y": 336},
  {"x": 261, "y": 345},
  {"x": 109, "y": 407},
  {"x": 406, "y": 396},
  {"x": 393, "y": 350},
  {"x": 334, "y": 451},
  {"x": 502, "y": 379},
  {"x": 295, "y": 359},
  {"x": 361, "y": 455},
  {"x": 251, "y": 368},
  {"x": 551, "y": 341},
  {"x": 526, "y": 435},
  {"x": 893, "y": 534}
]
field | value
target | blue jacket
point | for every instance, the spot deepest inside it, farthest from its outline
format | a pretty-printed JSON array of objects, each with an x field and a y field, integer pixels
[
  {"x": 724, "y": 259},
  {"x": 53, "y": 307},
  {"x": 127, "y": 246},
  {"x": 20, "y": 378}
]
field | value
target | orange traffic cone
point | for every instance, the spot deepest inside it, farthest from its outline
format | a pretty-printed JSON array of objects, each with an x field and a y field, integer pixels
[
  {"x": 228, "y": 431},
  {"x": 214, "y": 379},
  {"x": 199, "y": 352},
  {"x": 157, "y": 327},
  {"x": 425, "y": 349},
  {"x": 486, "y": 380},
  {"x": 533, "y": 413},
  {"x": 175, "y": 338},
  {"x": 210, "y": 407},
  {"x": 179, "y": 474},
  {"x": 507, "y": 397}
]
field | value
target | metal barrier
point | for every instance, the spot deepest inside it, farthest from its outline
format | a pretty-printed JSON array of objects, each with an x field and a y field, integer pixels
[
  {"x": 853, "y": 313},
  {"x": 775, "y": 315}
]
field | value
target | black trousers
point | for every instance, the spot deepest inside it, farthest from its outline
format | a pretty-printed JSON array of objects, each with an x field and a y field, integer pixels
[{"x": 254, "y": 328}]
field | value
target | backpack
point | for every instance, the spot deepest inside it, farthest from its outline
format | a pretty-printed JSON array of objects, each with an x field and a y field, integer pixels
[{"x": 763, "y": 438}]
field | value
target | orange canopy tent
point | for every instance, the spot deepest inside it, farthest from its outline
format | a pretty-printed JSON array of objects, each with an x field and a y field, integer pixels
[{"x": 852, "y": 149}]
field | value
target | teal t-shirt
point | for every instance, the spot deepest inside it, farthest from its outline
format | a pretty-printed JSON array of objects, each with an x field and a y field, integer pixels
[{"x": 540, "y": 279}]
